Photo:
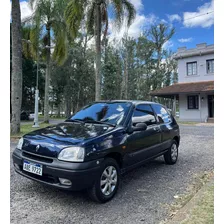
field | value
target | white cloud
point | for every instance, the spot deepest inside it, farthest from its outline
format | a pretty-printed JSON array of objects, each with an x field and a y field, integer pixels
[
  {"x": 168, "y": 45},
  {"x": 25, "y": 9},
  {"x": 174, "y": 17},
  {"x": 135, "y": 29},
  {"x": 137, "y": 4},
  {"x": 185, "y": 40},
  {"x": 204, "y": 21}
]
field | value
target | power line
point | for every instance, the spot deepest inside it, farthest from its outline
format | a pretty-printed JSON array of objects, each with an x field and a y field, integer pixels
[
  {"x": 198, "y": 15},
  {"x": 207, "y": 13}
]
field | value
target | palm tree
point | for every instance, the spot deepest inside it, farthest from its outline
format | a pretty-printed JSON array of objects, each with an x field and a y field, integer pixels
[
  {"x": 97, "y": 21},
  {"x": 48, "y": 27},
  {"x": 16, "y": 82}
]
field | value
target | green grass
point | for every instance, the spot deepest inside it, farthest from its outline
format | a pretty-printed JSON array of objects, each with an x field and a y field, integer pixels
[
  {"x": 186, "y": 122},
  {"x": 26, "y": 128},
  {"x": 55, "y": 117},
  {"x": 203, "y": 211},
  {"x": 198, "y": 181}
]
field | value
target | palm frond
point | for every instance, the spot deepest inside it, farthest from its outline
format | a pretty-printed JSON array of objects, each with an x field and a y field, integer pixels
[
  {"x": 131, "y": 12},
  {"x": 118, "y": 11},
  {"x": 60, "y": 41},
  {"x": 74, "y": 15},
  {"x": 91, "y": 19},
  {"x": 104, "y": 19}
]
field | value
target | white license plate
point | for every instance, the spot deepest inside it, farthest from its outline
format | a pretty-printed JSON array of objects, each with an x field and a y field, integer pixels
[{"x": 32, "y": 167}]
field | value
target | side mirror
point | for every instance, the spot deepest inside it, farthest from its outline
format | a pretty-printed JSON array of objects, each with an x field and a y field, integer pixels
[{"x": 138, "y": 127}]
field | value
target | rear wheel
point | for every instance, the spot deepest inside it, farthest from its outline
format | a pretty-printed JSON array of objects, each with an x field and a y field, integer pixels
[
  {"x": 106, "y": 184},
  {"x": 171, "y": 155}
]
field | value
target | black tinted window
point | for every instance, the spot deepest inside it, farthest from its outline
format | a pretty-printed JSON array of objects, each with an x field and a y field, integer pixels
[
  {"x": 143, "y": 113},
  {"x": 162, "y": 113}
]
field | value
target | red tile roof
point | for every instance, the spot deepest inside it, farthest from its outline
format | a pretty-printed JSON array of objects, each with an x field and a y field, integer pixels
[{"x": 190, "y": 87}]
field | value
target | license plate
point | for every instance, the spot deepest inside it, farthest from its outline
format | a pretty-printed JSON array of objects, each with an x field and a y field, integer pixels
[{"x": 32, "y": 167}]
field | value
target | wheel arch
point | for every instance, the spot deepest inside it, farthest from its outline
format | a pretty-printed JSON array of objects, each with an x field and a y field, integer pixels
[
  {"x": 177, "y": 139},
  {"x": 116, "y": 156}
]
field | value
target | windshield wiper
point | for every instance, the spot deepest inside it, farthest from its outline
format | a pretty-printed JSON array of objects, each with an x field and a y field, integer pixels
[
  {"x": 75, "y": 120},
  {"x": 99, "y": 122}
]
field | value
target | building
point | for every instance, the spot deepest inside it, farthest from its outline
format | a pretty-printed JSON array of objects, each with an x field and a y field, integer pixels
[{"x": 195, "y": 88}]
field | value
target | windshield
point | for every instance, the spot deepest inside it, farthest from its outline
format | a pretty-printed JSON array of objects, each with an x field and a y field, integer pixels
[{"x": 108, "y": 112}]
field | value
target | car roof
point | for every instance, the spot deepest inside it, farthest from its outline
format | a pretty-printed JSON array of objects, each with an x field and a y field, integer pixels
[{"x": 135, "y": 102}]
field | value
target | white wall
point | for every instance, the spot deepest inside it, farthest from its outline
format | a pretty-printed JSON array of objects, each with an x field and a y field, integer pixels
[
  {"x": 198, "y": 115},
  {"x": 201, "y": 69}
]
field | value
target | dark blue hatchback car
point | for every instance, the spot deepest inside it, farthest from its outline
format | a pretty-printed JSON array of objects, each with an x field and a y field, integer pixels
[{"x": 92, "y": 148}]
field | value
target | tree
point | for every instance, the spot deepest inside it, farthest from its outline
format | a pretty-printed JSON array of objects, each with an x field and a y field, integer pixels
[
  {"x": 111, "y": 72},
  {"x": 16, "y": 82},
  {"x": 159, "y": 35},
  {"x": 97, "y": 20},
  {"x": 49, "y": 28},
  {"x": 76, "y": 87}
]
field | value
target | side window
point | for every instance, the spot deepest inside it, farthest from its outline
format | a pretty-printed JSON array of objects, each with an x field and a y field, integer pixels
[
  {"x": 192, "y": 68},
  {"x": 162, "y": 113},
  {"x": 192, "y": 102},
  {"x": 143, "y": 113}
]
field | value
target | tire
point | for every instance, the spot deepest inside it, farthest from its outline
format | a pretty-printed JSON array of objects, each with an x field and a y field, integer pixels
[
  {"x": 96, "y": 191},
  {"x": 170, "y": 156}
]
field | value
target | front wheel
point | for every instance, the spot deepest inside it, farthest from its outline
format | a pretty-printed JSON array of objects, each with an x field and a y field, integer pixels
[
  {"x": 106, "y": 184},
  {"x": 171, "y": 155}
]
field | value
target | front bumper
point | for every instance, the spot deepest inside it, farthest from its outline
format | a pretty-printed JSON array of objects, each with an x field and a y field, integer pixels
[{"x": 82, "y": 175}]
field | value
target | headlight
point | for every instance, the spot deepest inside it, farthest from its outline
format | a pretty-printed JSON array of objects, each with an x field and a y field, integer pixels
[
  {"x": 72, "y": 154},
  {"x": 20, "y": 144}
]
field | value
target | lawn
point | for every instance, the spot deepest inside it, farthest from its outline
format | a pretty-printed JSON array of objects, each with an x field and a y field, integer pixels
[
  {"x": 203, "y": 211},
  {"x": 26, "y": 128}
]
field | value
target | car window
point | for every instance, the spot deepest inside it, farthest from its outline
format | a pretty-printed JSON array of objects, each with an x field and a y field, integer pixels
[
  {"x": 143, "y": 113},
  {"x": 111, "y": 112},
  {"x": 162, "y": 113}
]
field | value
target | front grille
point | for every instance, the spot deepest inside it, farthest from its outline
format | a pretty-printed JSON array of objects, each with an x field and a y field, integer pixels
[{"x": 37, "y": 157}]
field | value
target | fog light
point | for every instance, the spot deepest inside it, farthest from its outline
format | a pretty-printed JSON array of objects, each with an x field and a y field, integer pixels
[
  {"x": 16, "y": 166},
  {"x": 65, "y": 181}
]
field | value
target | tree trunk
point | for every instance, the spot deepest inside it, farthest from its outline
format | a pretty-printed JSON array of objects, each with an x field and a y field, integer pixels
[
  {"x": 47, "y": 79},
  {"x": 126, "y": 77},
  {"x": 98, "y": 52},
  {"x": 68, "y": 107},
  {"x": 16, "y": 82},
  {"x": 59, "y": 111}
]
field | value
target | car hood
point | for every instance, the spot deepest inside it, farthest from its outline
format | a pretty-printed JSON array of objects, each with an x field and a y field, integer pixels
[{"x": 51, "y": 140}]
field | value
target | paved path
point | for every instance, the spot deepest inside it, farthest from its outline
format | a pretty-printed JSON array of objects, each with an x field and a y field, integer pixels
[{"x": 142, "y": 196}]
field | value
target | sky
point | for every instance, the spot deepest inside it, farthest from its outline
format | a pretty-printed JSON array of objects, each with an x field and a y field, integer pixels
[{"x": 189, "y": 18}]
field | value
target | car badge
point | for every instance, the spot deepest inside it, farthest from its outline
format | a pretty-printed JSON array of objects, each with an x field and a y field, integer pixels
[{"x": 37, "y": 148}]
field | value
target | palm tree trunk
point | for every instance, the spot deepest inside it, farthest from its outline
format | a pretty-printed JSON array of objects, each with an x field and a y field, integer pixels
[
  {"x": 98, "y": 52},
  {"x": 47, "y": 79},
  {"x": 16, "y": 82}
]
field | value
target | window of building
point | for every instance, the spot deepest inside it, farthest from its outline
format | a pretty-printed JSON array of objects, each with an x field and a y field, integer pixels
[
  {"x": 192, "y": 68},
  {"x": 162, "y": 113},
  {"x": 143, "y": 113},
  {"x": 210, "y": 66},
  {"x": 192, "y": 102}
]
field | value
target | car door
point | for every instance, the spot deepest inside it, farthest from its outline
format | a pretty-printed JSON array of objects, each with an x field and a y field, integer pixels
[
  {"x": 165, "y": 123},
  {"x": 143, "y": 144}
]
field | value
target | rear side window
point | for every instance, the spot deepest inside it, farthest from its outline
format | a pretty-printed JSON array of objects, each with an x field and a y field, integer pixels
[
  {"x": 143, "y": 113},
  {"x": 162, "y": 113}
]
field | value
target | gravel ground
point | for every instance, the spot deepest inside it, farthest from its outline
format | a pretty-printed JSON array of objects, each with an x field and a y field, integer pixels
[{"x": 142, "y": 196}]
